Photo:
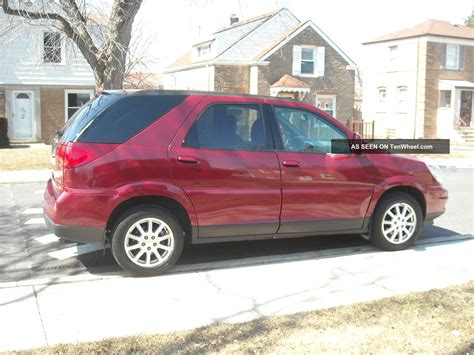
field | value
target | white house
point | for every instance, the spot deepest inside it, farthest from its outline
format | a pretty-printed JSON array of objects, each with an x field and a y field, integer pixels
[
  {"x": 44, "y": 79},
  {"x": 419, "y": 82}
]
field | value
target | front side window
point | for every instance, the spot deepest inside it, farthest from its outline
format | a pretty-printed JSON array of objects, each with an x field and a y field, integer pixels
[
  {"x": 308, "y": 57},
  {"x": 52, "y": 47},
  {"x": 228, "y": 127},
  {"x": 306, "y": 132},
  {"x": 452, "y": 56}
]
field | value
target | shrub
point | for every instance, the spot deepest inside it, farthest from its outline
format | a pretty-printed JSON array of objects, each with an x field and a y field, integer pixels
[{"x": 4, "y": 140}]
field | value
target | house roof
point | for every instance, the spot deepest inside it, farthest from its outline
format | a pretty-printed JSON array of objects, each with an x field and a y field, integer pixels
[
  {"x": 290, "y": 82},
  {"x": 429, "y": 27},
  {"x": 182, "y": 61},
  {"x": 247, "y": 21}
]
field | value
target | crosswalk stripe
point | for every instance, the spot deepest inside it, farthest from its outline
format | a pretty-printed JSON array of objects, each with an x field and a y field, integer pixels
[
  {"x": 33, "y": 211},
  {"x": 74, "y": 251},
  {"x": 46, "y": 239},
  {"x": 36, "y": 220}
]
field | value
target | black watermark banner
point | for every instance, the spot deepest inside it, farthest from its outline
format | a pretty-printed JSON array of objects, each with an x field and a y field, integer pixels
[{"x": 396, "y": 146}]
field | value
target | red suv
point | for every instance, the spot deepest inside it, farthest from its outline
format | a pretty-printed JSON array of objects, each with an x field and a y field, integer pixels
[{"x": 147, "y": 171}]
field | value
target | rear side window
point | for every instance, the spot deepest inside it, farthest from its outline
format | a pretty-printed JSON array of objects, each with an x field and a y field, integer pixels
[
  {"x": 79, "y": 121},
  {"x": 128, "y": 116},
  {"x": 228, "y": 127}
]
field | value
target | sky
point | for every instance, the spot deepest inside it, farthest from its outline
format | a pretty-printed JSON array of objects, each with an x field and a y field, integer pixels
[{"x": 170, "y": 27}]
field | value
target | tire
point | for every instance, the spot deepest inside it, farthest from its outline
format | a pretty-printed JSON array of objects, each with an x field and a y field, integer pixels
[
  {"x": 393, "y": 229},
  {"x": 159, "y": 250}
]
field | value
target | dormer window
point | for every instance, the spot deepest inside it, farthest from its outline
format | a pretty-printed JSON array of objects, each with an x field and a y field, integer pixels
[
  {"x": 52, "y": 48},
  {"x": 204, "y": 51}
]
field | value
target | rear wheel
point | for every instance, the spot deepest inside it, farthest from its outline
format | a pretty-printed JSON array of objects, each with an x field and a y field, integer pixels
[
  {"x": 147, "y": 241},
  {"x": 397, "y": 222}
]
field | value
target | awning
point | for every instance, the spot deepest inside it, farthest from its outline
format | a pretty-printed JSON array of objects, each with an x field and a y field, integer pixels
[{"x": 287, "y": 83}]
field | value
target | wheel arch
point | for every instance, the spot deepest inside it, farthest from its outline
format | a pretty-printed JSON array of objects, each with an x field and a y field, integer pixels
[
  {"x": 167, "y": 203},
  {"x": 414, "y": 192}
]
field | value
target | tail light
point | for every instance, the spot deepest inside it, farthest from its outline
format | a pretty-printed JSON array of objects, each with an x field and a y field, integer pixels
[{"x": 71, "y": 155}]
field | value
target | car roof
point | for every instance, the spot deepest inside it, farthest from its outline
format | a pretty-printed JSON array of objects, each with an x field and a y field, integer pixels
[{"x": 132, "y": 92}]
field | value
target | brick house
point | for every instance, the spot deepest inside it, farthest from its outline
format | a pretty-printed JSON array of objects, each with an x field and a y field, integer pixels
[
  {"x": 273, "y": 54},
  {"x": 43, "y": 80},
  {"x": 419, "y": 82}
]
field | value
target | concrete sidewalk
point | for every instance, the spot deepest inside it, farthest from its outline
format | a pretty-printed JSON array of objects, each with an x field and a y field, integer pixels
[
  {"x": 33, "y": 316},
  {"x": 16, "y": 176}
]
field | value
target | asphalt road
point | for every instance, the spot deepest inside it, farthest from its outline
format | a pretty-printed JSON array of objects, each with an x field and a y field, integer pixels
[{"x": 28, "y": 250}]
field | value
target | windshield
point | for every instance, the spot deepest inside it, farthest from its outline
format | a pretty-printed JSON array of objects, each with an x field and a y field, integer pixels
[{"x": 76, "y": 124}]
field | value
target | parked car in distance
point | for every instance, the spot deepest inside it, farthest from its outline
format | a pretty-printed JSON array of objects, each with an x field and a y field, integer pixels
[{"x": 147, "y": 171}]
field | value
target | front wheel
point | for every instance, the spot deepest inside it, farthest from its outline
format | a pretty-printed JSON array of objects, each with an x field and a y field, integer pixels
[
  {"x": 147, "y": 241},
  {"x": 397, "y": 222}
]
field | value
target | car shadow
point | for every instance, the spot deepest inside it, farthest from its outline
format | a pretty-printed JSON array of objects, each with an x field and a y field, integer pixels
[{"x": 102, "y": 262}]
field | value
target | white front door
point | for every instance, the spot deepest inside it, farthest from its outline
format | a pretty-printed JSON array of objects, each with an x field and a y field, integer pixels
[{"x": 23, "y": 115}]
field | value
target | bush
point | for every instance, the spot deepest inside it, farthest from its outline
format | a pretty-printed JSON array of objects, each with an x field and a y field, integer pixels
[{"x": 4, "y": 140}]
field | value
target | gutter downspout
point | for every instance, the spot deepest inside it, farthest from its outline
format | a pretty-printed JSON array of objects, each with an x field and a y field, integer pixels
[{"x": 416, "y": 85}]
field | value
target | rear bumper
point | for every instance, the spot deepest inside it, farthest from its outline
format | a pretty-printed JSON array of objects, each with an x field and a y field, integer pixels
[{"x": 76, "y": 234}]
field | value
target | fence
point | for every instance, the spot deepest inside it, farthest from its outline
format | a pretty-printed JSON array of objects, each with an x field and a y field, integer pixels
[{"x": 364, "y": 128}]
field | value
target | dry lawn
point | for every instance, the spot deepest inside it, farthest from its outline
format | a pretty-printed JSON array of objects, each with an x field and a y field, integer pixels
[
  {"x": 25, "y": 157},
  {"x": 438, "y": 321}
]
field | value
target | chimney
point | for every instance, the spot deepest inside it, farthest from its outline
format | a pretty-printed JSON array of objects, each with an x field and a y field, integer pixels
[{"x": 233, "y": 19}]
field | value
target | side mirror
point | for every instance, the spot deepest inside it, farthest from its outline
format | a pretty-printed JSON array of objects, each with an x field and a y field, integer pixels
[{"x": 356, "y": 141}]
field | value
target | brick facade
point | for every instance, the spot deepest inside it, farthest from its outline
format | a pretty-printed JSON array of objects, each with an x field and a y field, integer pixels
[
  {"x": 2, "y": 102},
  {"x": 232, "y": 78},
  {"x": 337, "y": 79},
  {"x": 52, "y": 112},
  {"x": 435, "y": 71}
]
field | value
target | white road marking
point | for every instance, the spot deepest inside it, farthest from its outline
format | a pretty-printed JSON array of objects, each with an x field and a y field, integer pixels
[
  {"x": 36, "y": 220},
  {"x": 46, "y": 239},
  {"x": 38, "y": 192},
  {"x": 74, "y": 251},
  {"x": 33, "y": 211}
]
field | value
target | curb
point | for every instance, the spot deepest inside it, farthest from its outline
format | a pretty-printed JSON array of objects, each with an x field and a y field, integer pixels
[{"x": 227, "y": 264}]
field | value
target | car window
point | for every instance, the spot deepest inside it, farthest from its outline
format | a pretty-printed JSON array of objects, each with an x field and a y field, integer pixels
[
  {"x": 304, "y": 131},
  {"x": 229, "y": 127}
]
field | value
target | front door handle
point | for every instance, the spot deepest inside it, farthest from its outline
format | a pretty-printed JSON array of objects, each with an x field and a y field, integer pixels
[
  {"x": 187, "y": 159},
  {"x": 291, "y": 163}
]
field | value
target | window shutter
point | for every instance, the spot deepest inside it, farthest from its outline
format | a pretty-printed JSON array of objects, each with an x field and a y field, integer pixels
[
  {"x": 320, "y": 60},
  {"x": 443, "y": 55},
  {"x": 461, "y": 57},
  {"x": 296, "y": 60}
]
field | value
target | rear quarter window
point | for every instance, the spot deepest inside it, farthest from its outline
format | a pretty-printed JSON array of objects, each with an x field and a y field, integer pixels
[{"x": 128, "y": 116}]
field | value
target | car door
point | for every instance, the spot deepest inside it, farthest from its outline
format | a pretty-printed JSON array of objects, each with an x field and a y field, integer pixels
[
  {"x": 223, "y": 158},
  {"x": 322, "y": 192}
]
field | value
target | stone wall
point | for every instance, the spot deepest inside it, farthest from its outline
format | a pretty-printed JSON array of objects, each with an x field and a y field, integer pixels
[
  {"x": 337, "y": 80},
  {"x": 232, "y": 78}
]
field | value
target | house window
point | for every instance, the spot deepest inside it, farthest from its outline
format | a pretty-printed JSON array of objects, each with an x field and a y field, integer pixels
[
  {"x": 204, "y": 50},
  {"x": 402, "y": 99},
  {"x": 308, "y": 58},
  {"x": 381, "y": 94},
  {"x": 74, "y": 101},
  {"x": 393, "y": 54},
  {"x": 445, "y": 98},
  {"x": 453, "y": 57},
  {"x": 327, "y": 103},
  {"x": 52, "y": 47}
]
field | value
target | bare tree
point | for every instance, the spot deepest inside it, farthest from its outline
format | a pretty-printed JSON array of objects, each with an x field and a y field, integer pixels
[{"x": 106, "y": 56}]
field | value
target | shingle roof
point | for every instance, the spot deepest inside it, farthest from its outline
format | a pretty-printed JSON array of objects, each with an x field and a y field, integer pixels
[
  {"x": 182, "y": 61},
  {"x": 244, "y": 22},
  {"x": 429, "y": 27},
  {"x": 288, "y": 81}
]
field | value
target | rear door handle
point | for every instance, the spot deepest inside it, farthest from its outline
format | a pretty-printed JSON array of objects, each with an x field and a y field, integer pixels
[
  {"x": 291, "y": 163},
  {"x": 187, "y": 160}
]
